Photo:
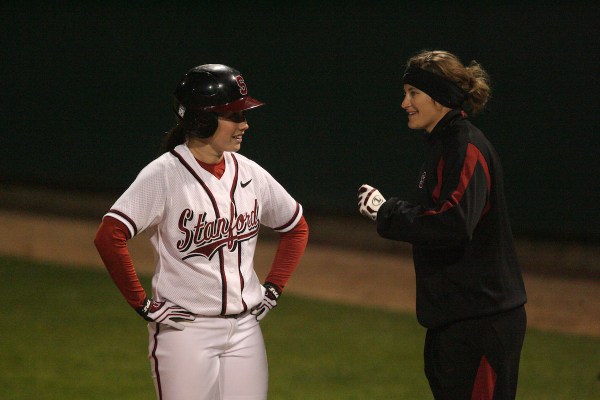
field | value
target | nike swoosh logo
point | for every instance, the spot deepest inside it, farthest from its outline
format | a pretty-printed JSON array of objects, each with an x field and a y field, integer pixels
[{"x": 244, "y": 184}]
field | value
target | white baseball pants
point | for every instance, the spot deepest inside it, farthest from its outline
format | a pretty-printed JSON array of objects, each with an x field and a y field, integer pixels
[{"x": 211, "y": 359}]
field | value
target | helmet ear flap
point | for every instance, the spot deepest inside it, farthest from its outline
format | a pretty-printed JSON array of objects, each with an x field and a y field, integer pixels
[
  {"x": 198, "y": 123},
  {"x": 201, "y": 124}
]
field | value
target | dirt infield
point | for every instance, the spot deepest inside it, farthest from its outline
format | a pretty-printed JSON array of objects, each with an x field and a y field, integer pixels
[{"x": 367, "y": 278}]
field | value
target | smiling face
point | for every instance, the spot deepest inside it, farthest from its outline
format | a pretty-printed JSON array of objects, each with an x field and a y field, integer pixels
[
  {"x": 227, "y": 137},
  {"x": 423, "y": 112}
]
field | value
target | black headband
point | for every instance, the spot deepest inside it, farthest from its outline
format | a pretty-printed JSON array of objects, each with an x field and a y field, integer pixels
[{"x": 438, "y": 88}]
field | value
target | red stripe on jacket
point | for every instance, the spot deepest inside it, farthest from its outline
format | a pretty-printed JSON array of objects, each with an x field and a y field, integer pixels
[{"x": 472, "y": 158}]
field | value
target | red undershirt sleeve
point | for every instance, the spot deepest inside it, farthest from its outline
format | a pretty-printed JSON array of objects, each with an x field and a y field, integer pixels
[
  {"x": 289, "y": 252},
  {"x": 111, "y": 242}
]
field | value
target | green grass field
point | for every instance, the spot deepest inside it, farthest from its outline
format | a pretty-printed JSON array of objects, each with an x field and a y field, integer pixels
[{"x": 66, "y": 333}]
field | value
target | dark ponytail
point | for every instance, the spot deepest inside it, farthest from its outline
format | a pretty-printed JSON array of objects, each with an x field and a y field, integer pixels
[{"x": 173, "y": 138}]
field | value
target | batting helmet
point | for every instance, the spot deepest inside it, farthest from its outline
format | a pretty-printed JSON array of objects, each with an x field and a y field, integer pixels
[{"x": 207, "y": 90}]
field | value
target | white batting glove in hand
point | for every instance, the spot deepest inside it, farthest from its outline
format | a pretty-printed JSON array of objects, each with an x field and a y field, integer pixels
[
  {"x": 165, "y": 312},
  {"x": 369, "y": 201},
  {"x": 268, "y": 302}
]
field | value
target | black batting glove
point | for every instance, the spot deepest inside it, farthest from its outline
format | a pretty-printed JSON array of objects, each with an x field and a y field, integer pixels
[
  {"x": 269, "y": 301},
  {"x": 165, "y": 312}
]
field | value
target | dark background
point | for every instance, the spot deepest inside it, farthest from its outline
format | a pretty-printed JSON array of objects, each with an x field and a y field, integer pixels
[{"x": 86, "y": 95}]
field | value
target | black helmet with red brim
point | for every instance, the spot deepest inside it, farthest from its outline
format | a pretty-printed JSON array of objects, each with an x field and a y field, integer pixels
[{"x": 214, "y": 88}]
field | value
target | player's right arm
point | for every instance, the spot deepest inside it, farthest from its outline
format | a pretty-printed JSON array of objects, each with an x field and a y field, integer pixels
[
  {"x": 136, "y": 209},
  {"x": 111, "y": 242}
]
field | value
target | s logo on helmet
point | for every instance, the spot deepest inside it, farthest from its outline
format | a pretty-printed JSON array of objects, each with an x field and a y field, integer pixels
[{"x": 240, "y": 81}]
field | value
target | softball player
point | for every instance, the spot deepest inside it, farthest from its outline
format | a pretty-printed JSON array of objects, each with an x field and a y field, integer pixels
[
  {"x": 470, "y": 293},
  {"x": 202, "y": 206}
]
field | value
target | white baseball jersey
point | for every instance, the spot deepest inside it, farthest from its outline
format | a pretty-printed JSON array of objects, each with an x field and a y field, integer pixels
[{"x": 203, "y": 229}]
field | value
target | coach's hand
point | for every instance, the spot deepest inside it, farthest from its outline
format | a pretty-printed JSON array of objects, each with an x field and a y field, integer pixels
[
  {"x": 165, "y": 312},
  {"x": 269, "y": 301},
  {"x": 369, "y": 201}
]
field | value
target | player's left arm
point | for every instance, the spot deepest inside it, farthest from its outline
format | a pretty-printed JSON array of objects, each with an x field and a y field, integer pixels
[
  {"x": 282, "y": 213},
  {"x": 289, "y": 252},
  {"x": 287, "y": 257}
]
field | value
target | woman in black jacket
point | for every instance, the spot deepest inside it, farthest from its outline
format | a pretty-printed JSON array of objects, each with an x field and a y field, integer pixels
[{"x": 470, "y": 292}]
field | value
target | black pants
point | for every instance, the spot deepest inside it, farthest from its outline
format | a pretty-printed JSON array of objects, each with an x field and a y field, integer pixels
[{"x": 476, "y": 359}]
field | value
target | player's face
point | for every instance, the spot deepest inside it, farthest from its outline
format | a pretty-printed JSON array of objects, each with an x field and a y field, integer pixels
[
  {"x": 231, "y": 128},
  {"x": 423, "y": 111}
]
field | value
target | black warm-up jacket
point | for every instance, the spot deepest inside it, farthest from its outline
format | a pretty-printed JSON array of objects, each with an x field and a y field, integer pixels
[{"x": 463, "y": 250}]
